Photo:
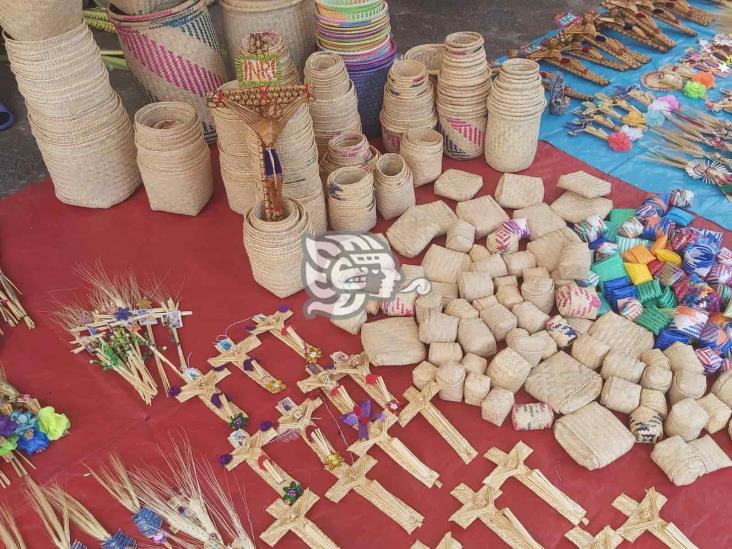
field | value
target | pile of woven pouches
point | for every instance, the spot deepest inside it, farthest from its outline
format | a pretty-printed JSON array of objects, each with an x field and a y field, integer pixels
[{"x": 643, "y": 303}]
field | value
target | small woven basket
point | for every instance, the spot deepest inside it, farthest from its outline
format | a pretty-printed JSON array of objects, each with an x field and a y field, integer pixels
[
  {"x": 421, "y": 148},
  {"x": 394, "y": 186}
]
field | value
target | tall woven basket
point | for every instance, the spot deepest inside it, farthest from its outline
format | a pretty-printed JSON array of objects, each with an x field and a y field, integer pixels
[
  {"x": 40, "y": 20},
  {"x": 174, "y": 55},
  {"x": 293, "y": 19}
]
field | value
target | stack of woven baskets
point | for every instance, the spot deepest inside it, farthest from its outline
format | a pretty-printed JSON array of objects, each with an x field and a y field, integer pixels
[
  {"x": 299, "y": 159},
  {"x": 172, "y": 51},
  {"x": 173, "y": 158},
  {"x": 334, "y": 108},
  {"x": 430, "y": 55},
  {"x": 235, "y": 141},
  {"x": 348, "y": 149},
  {"x": 292, "y": 19},
  {"x": 408, "y": 102},
  {"x": 515, "y": 105},
  {"x": 360, "y": 32},
  {"x": 270, "y": 43},
  {"x": 394, "y": 186},
  {"x": 351, "y": 199},
  {"x": 421, "y": 149},
  {"x": 79, "y": 122},
  {"x": 275, "y": 249},
  {"x": 462, "y": 90}
]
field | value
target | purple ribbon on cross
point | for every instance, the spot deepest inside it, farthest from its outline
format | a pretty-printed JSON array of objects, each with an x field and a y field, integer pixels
[{"x": 362, "y": 416}]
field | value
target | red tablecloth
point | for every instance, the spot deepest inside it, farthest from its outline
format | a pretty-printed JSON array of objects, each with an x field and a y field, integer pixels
[{"x": 203, "y": 260}]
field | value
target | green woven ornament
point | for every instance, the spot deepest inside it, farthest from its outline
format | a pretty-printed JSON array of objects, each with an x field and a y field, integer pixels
[
  {"x": 648, "y": 291},
  {"x": 653, "y": 320},
  {"x": 620, "y": 215}
]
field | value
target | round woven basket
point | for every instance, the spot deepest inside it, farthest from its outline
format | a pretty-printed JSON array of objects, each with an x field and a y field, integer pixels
[
  {"x": 394, "y": 186},
  {"x": 144, "y": 7},
  {"x": 173, "y": 158},
  {"x": 40, "y": 20},
  {"x": 351, "y": 199},
  {"x": 174, "y": 55},
  {"x": 430, "y": 55},
  {"x": 273, "y": 44},
  {"x": 293, "y": 19},
  {"x": 275, "y": 249},
  {"x": 421, "y": 148}
]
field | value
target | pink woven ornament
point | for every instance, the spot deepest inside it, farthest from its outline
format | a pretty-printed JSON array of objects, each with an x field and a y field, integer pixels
[
  {"x": 505, "y": 239},
  {"x": 576, "y": 302},
  {"x": 711, "y": 361},
  {"x": 630, "y": 308}
]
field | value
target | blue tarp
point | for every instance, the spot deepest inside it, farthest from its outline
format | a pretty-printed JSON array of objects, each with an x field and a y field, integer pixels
[{"x": 635, "y": 166}]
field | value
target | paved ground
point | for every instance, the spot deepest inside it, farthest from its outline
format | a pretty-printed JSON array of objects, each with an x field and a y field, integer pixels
[{"x": 504, "y": 23}]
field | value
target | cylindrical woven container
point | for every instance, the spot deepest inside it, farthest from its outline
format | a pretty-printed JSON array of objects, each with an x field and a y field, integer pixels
[
  {"x": 423, "y": 373},
  {"x": 656, "y": 377},
  {"x": 515, "y": 105},
  {"x": 462, "y": 89},
  {"x": 239, "y": 171},
  {"x": 646, "y": 425},
  {"x": 461, "y": 308},
  {"x": 271, "y": 43},
  {"x": 451, "y": 379},
  {"x": 529, "y": 317},
  {"x": 540, "y": 292},
  {"x": 274, "y": 248},
  {"x": 334, "y": 108},
  {"x": 474, "y": 363},
  {"x": 421, "y": 148},
  {"x": 656, "y": 400},
  {"x": 38, "y": 21},
  {"x": 408, "y": 103},
  {"x": 477, "y": 387},
  {"x": 348, "y": 149},
  {"x": 510, "y": 296},
  {"x": 474, "y": 285},
  {"x": 351, "y": 199},
  {"x": 719, "y": 413},
  {"x": 293, "y": 19},
  {"x": 508, "y": 370},
  {"x": 173, "y": 158},
  {"x": 430, "y": 55},
  {"x": 175, "y": 55},
  {"x": 687, "y": 384},
  {"x": 79, "y": 122},
  {"x": 394, "y": 186},
  {"x": 534, "y": 416},
  {"x": 425, "y": 305},
  {"x": 496, "y": 406},
  {"x": 499, "y": 319}
]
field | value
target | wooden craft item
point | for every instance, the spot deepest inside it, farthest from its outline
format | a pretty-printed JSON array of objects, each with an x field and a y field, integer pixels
[
  {"x": 11, "y": 307},
  {"x": 607, "y": 538},
  {"x": 420, "y": 402},
  {"x": 645, "y": 517},
  {"x": 275, "y": 324},
  {"x": 238, "y": 355},
  {"x": 447, "y": 542},
  {"x": 481, "y": 505},
  {"x": 378, "y": 435},
  {"x": 512, "y": 465},
  {"x": 553, "y": 56},
  {"x": 351, "y": 477}
]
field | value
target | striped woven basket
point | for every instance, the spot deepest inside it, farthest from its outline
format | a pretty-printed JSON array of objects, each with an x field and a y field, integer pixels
[{"x": 175, "y": 56}]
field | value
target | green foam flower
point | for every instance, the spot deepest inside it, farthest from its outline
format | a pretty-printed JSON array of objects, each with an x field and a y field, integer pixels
[
  {"x": 52, "y": 424},
  {"x": 695, "y": 90},
  {"x": 8, "y": 445}
]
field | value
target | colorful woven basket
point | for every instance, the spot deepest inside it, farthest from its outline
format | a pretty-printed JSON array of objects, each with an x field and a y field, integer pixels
[{"x": 174, "y": 55}]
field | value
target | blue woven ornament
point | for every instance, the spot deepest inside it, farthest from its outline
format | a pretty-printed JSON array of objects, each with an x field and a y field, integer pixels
[
  {"x": 119, "y": 541},
  {"x": 148, "y": 522},
  {"x": 668, "y": 337}
]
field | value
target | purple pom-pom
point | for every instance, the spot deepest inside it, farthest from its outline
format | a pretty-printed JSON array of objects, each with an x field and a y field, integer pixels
[
  {"x": 225, "y": 459},
  {"x": 265, "y": 426},
  {"x": 7, "y": 426},
  {"x": 174, "y": 391},
  {"x": 219, "y": 368},
  {"x": 216, "y": 400},
  {"x": 248, "y": 365},
  {"x": 283, "y": 308},
  {"x": 329, "y": 367}
]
